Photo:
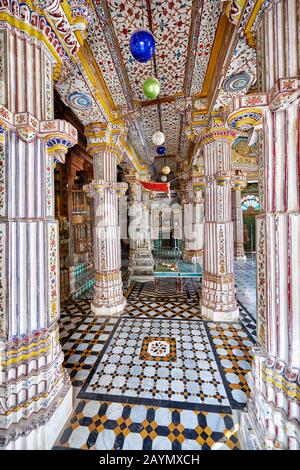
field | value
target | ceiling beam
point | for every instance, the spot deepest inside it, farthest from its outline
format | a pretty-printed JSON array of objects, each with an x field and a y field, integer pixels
[
  {"x": 149, "y": 13},
  {"x": 165, "y": 99}
]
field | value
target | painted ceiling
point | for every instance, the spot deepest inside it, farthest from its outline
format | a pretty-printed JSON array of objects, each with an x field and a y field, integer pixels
[
  {"x": 185, "y": 32},
  {"x": 241, "y": 74}
]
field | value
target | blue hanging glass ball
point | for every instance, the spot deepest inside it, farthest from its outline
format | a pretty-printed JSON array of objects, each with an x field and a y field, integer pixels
[
  {"x": 142, "y": 45},
  {"x": 161, "y": 150}
]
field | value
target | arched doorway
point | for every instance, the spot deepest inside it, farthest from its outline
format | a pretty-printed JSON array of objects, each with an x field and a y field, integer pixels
[{"x": 250, "y": 206}]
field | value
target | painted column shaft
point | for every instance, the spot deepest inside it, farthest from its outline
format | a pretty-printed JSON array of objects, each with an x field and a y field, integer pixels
[
  {"x": 193, "y": 216},
  {"x": 237, "y": 218},
  {"x": 279, "y": 36},
  {"x": 103, "y": 144},
  {"x": 274, "y": 406},
  {"x": 218, "y": 291},
  {"x": 34, "y": 387}
]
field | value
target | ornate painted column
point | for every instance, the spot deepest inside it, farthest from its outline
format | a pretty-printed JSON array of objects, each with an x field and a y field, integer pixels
[
  {"x": 194, "y": 229},
  {"x": 146, "y": 225},
  {"x": 140, "y": 255},
  {"x": 104, "y": 143},
  {"x": 272, "y": 420},
  {"x": 218, "y": 291},
  {"x": 35, "y": 391},
  {"x": 134, "y": 196},
  {"x": 193, "y": 215},
  {"x": 238, "y": 233},
  {"x": 188, "y": 215}
]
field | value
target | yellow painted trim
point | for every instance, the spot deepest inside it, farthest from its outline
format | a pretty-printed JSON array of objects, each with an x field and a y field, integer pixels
[
  {"x": 33, "y": 7},
  {"x": 56, "y": 148},
  {"x": 67, "y": 10},
  {"x": 253, "y": 16},
  {"x": 22, "y": 26},
  {"x": 284, "y": 385},
  {"x": 24, "y": 357},
  {"x": 108, "y": 109},
  {"x": 25, "y": 348},
  {"x": 139, "y": 166},
  {"x": 214, "y": 56}
]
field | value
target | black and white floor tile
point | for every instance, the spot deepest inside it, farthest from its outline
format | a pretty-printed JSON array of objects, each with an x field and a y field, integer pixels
[
  {"x": 158, "y": 377},
  {"x": 83, "y": 347},
  {"x": 247, "y": 320},
  {"x": 71, "y": 316},
  {"x": 192, "y": 379},
  {"x": 97, "y": 425}
]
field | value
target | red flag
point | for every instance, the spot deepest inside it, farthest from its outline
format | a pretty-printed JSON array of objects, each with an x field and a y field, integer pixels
[{"x": 158, "y": 187}]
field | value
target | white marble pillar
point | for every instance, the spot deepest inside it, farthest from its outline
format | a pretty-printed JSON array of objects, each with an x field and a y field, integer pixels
[
  {"x": 273, "y": 418},
  {"x": 105, "y": 146},
  {"x": 35, "y": 391},
  {"x": 218, "y": 301},
  {"x": 146, "y": 224},
  {"x": 187, "y": 209},
  {"x": 237, "y": 219},
  {"x": 140, "y": 255},
  {"x": 193, "y": 219}
]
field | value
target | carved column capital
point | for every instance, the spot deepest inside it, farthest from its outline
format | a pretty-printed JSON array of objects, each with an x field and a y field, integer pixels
[
  {"x": 103, "y": 137},
  {"x": 215, "y": 134}
]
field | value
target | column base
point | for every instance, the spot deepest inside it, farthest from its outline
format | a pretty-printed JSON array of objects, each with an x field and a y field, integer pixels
[
  {"x": 249, "y": 437},
  {"x": 108, "y": 310},
  {"x": 213, "y": 315},
  {"x": 272, "y": 418},
  {"x": 35, "y": 436},
  {"x": 218, "y": 298}
]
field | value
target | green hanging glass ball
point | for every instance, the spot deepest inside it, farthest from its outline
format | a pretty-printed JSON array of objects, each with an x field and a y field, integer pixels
[{"x": 151, "y": 88}]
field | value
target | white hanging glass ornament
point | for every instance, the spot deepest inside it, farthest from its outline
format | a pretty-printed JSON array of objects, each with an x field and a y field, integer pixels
[
  {"x": 163, "y": 178},
  {"x": 166, "y": 170},
  {"x": 158, "y": 138}
]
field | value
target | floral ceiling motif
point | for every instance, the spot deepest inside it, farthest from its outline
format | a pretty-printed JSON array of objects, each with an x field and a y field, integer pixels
[
  {"x": 171, "y": 28},
  {"x": 209, "y": 23},
  {"x": 77, "y": 93},
  {"x": 170, "y": 25},
  {"x": 181, "y": 29},
  {"x": 184, "y": 32},
  {"x": 127, "y": 16},
  {"x": 104, "y": 59},
  {"x": 241, "y": 74},
  {"x": 171, "y": 127}
]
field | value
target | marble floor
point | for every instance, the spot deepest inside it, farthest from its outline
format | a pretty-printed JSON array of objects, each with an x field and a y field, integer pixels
[{"x": 159, "y": 376}]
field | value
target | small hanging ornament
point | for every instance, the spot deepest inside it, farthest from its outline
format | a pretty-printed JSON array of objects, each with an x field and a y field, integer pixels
[
  {"x": 151, "y": 88},
  {"x": 158, "y": 138},
  {"x": 166, "y": 170},
  {"x": 161, "y": 150},
  {"x": 163, "y": 178},
  {"x": 142, "y": 45}
]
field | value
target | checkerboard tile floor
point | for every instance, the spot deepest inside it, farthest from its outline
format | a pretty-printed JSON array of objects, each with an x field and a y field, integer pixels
[
  {"x": 71, "y": 316},
  {"x": 160, "y": 308},
  {"x": 248, "y": 322},
  {"x": 232, "y": 347},
  {"x": 194, "y": 378},
  {"x": 83, "y": 347},
  {"x": 167, "y": 287},
  {"x": 97, "y": 425},
  {"x": 129, "y": 400}
]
